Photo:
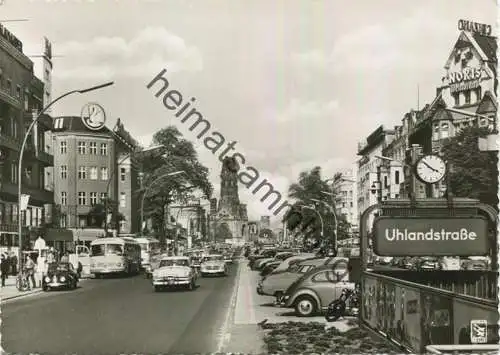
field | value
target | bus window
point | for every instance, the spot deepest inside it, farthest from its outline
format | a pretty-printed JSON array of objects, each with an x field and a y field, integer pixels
[
  {"x": 114, "y": 249},
  {"x": 97, "y": 250}
]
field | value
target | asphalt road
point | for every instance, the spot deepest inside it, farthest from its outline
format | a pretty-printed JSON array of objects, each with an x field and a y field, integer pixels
[{"x": 120, "y": 315}]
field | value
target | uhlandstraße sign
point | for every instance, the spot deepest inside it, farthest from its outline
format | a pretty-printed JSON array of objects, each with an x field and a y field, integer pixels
[{"x": 448, "y": 236}]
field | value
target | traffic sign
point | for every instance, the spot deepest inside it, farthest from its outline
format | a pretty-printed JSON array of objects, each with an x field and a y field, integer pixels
[{"x": 424, "y": 236}]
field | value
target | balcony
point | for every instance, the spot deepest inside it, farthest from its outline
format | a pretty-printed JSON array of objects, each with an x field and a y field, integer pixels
[
  {"x": 9, "y": 142},
  {"x": 41, "y": 156},
  {"x": 40, "y": 195},
  {"x": 11, "y": 100}
]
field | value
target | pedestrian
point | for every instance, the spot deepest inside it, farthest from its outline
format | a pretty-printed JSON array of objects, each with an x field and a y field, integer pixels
[
  {"x": 13, "y": 263},
  {"x": 65, "y": 258},
  {"x": 30, "y": 270},
  {"x": 4, "y": 268}
]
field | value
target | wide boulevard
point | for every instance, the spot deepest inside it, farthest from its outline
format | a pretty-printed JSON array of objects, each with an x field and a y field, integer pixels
[{"x": 120, "y": 315}]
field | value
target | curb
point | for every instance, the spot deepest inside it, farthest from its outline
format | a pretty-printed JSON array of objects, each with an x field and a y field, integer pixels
[{"x": 2, "y": 299}]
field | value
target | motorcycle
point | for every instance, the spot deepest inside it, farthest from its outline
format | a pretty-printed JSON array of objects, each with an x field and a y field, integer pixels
[{"x": 346, "y": 305}]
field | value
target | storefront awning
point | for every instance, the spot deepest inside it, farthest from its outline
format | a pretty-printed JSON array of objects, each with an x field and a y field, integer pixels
[{"x": 63, "y": 235}]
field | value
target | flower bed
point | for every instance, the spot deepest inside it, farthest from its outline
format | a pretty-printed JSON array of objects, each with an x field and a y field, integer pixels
[{"x": 312, "y": 338}]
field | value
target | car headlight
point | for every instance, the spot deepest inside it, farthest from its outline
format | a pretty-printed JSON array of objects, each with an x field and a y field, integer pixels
[
  {"x": 62, "y": 279},
  {"x": 47, "y": 279}
]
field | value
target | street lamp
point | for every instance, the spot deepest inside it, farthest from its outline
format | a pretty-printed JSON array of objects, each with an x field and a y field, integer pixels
[
  {"x": 21, "y": 154},
  {"x": 319, "y": 215},
  {"x": 112, "y": 177},
  {"x": 332, "y": 209},
  {"x": 149, "y": 187}
]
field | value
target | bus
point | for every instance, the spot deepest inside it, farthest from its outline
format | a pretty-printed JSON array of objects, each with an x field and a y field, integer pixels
[
  {"x": 115, "y": 256},
  {"x": 150, "y": 253}
]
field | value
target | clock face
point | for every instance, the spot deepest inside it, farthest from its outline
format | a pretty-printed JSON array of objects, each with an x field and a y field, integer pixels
[
  {"x": 93, "y": 116},
  {"x": 431, "y": 169}
]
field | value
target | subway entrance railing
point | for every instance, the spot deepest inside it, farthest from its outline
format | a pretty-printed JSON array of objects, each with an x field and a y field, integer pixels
[{"x": 414, "y": 309}]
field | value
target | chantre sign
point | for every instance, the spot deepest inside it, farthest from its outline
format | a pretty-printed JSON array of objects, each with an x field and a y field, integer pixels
[{"x": 430, "y": 236}]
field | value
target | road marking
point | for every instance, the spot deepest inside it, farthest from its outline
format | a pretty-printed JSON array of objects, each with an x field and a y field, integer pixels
[{"x": 225, "y": 331}]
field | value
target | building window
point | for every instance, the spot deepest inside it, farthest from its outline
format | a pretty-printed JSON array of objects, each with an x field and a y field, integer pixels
[
  {"x": 18, "y": 92},
  {"x": 82, "y": 172},
  {"x": 93, "y": 148},
  {"x": 63, "y": 220},
  {"x": 26, "y": 101},
  {"x": 467, "y": 97},
  {"x": 123, "y": 199},
  {"x": 122, "y": 174},
  {"x": 386, "y": 181},
  {"x": 28, "y": 173},
  {"x": 64, "y": 172},
  {"x": 456, "y": 97},
  {"x": 81, "y": 148},
  {"x": 64, "y": 198},
  {"x": 63, "y": 147},
  {"x": 93, "y": 198},
  {"x": 9, "y": 86},
  {"x": 103, "y": 196},
  {"x": 477, "y": 92},
  {"x": 445, "y": 130},
  {"x": 13, "y": 127},
  {"x": 82, "y": 198},
  {"x": 13, "y": 172},
  {"x": 104, "y": 173},
  {"x": 396, "y": 177},
  {"x": 104, "y": 148},
  {"x": 435, "y": 134},
  {"x": 352, "y": 204},
  {"x": 41, "y": 178},
  {"x": 93, "y": 173}
]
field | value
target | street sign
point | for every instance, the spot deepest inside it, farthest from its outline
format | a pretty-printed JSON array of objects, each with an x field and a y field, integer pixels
[{"x": 424, "y": 236}]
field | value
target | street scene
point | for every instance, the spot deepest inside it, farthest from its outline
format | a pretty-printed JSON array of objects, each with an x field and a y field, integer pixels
[{"x": 248, "y": 177}]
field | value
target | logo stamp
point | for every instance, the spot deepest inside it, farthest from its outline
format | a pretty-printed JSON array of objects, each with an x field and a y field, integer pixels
[
  {"x": 93, "y": 116},
  {"x": 478, "y": 331}
]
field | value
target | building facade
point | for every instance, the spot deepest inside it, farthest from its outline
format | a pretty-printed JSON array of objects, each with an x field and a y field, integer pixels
[
  {"x": 90, "y": 167},
  {"x": 265, "y": 222},
  {"x": 21, "y": 97},
  {"x": 346, "y": 192}
]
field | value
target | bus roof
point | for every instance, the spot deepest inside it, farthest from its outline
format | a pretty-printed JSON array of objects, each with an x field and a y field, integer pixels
[
  {"x": 113, "y": 240},
  {"x": 146, "y": 239}
]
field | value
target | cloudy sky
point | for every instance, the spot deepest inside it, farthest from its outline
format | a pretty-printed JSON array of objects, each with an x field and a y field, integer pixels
[{"x": 296, "y": 83}]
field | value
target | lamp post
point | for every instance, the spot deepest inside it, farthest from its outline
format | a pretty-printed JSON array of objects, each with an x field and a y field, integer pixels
[
  {"x": 112, "y": 177},
  {"x": 149, "y": 187},
  {"x": 319, "y": 215},
  {"x": 21, "y": 155},
  {"x": 332, "y": 209}
]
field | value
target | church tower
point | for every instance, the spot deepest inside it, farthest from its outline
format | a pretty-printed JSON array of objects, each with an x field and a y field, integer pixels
[{"x": 229, "y": 198}]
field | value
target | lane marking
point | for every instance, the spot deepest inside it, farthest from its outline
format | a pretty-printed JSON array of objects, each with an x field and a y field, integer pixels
[{"x": 225, "y": 331}]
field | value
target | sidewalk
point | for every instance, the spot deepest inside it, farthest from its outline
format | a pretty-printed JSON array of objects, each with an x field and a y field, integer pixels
[{"x": 10, "y": 291}]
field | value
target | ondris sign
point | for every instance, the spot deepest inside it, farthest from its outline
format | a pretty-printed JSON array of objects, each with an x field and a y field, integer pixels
[
  {"x": 93, "y": 116},
  {"x": 430, "y": 236}
]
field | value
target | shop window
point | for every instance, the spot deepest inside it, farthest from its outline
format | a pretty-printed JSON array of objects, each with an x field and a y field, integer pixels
[
  {"x": 456, "y": 98},
  {"x": 467, "y": 97}
]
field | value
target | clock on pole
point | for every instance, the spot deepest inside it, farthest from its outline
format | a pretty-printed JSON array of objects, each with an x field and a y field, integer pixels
[{"x": 430, "y": 169}]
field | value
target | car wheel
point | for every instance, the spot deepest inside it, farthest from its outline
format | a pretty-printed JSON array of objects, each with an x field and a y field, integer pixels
[
  {"x": 45, "y": 288},
  {"x": 203, "y": 274},
  {"x": 305, "y": 306},
  {"x": 156, "y": 288}
]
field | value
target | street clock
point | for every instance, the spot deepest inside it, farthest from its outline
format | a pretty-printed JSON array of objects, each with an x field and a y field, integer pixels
[{"x": 430, "y": 169}]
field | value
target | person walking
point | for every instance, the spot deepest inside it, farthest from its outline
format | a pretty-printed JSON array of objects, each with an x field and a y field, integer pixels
[
  {"x": 4, "y": 268},
  {"x": 13, "y": 264},
  {"x": 30, "y": 271}
]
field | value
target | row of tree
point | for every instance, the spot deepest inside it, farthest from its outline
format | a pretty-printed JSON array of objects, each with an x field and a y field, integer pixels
[{"x": 474, "y": 174}]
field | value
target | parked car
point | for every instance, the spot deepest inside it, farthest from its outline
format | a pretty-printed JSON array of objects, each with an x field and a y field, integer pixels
[
  {"x": 269, "y": 267},
  {"x": 475, "y": 263},
  {"x": 449, "y": 263},
  {"x": 384, "y": 260},
  {"x": 275, "y": 284},
  {"x": 174, "y": 271},
  {"x": 288, "y": 261},
  {"x": 314, "y": 290},
  {"x": 213, "y": 265},
  {"x": 427, "y": 263},
  {"x": 61, "y": 275}
]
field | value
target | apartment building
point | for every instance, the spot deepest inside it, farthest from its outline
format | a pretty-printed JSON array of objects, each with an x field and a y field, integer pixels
[{"x": 346, "y": 198}]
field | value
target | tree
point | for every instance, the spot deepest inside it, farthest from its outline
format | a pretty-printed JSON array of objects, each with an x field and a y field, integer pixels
[
  {"x": 309, "y": 189},
  {"x": 97, "y": 215},
  {"x": 474, "y": 173},
  {"x": 163, "y": 190}
]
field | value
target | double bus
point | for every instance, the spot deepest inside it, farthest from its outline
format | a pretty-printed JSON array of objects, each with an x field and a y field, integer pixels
[
  {"x": 150, "y": 253},
  {"x": 115, "y": 256}
]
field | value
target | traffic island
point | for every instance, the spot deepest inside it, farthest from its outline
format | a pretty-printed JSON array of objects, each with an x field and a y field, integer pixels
[{"x": 315, "y": 338}]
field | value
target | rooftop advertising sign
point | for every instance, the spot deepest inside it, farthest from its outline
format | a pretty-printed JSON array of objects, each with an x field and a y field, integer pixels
[
  {"x": 430, "y": 236},
  {"x": 471, "y": 26}
]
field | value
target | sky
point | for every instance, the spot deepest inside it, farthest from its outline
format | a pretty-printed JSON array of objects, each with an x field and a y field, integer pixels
[{"x": 296, "y": 83}]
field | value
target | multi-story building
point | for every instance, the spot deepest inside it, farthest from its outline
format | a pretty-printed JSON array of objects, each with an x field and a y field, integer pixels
[
  {"x": 346, "y": 200},
  {"x": 467, "y": 95},
  {"x": 90, "y": 167},
  {"x": 265, "y": 222},
  {"x": 21, "y": 97},
  {"x": 369, "y": 174}
]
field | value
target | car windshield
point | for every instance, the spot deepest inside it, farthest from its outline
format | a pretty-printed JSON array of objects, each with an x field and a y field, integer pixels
[
  {"x": 62, "y": 267},
  {"x": 213, "y": 258},
  {"x": 114, "y": 249},
  {"x": 174, "y": 262}
]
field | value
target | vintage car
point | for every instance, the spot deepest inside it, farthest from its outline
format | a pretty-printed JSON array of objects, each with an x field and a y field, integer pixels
[
  {"x": 213, "y": 265},
  {"x": 477, "y": 263},
  {"x": 61, "y": 275},
  {"x": 314, "y": 290},
  {"x": 174, "y": 271}
]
